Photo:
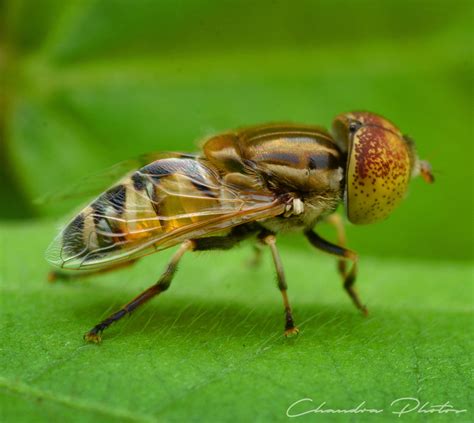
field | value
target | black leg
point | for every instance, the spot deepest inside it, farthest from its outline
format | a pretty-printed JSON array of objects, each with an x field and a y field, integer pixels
[
  {"x": 270, "y": 240},
  {"x": 94, "y": 335},
  {"x": 346, "y": 254},
  {"x": 336, "y": 221}
]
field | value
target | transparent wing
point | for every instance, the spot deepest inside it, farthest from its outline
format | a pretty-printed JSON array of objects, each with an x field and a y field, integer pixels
[
  {"x": 92, "y": 185},
  {"x": 158, "y": 206}
]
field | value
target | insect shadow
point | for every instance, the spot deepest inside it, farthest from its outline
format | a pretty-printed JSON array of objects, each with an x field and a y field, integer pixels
[{"x": 188, "y": 316}]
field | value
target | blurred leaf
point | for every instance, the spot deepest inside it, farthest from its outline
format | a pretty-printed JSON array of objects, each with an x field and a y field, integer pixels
[
  {"x": 214, "y": 350},
  {"x": 90, "y": 83}
]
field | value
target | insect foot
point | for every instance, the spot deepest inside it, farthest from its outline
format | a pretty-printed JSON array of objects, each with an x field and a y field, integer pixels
[
  {"x": 292, "y": 332},
  {"x": 93, "y": 336}
]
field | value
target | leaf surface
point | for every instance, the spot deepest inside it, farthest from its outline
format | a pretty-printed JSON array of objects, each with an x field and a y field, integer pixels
[{"x": 213, "y": 348}]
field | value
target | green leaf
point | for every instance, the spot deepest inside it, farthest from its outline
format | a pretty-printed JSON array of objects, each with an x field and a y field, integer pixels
[{"x": 212, "y": 348}]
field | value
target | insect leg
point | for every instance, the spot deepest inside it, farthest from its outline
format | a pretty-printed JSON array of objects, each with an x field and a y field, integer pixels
[
  {"x": 336, "y": 221},
  {"x": 162, "y": 285},
  {"x": 270, "y": 240},
  {"x": 55, "y": 275},
  {"x": 345, "y": 254}
]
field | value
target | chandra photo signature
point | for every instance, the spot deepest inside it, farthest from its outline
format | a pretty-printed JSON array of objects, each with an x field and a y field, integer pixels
[{"x": 399, "y": 407}]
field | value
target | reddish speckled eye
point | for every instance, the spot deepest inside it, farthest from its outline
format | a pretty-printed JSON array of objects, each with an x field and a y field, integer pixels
[{"x": 379, "y": 165}]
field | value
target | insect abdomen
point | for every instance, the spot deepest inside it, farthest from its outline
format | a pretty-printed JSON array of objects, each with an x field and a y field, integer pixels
[{"x": 161, "y": 197}]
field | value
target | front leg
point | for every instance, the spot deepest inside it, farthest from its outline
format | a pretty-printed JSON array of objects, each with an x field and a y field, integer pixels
[
  {"x": 345, "y": 254},
  {"x": 336, "y": 221}
]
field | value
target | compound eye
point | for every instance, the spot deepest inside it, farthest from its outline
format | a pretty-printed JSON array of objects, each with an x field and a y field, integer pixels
[{"x": 378, "y": 172}]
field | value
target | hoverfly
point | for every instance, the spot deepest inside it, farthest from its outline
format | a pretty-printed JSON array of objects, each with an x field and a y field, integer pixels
[{"x": 254, "y": 182}]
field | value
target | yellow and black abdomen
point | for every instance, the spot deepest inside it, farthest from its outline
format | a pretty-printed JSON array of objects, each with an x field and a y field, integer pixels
[{"x": 146, "y": 206}]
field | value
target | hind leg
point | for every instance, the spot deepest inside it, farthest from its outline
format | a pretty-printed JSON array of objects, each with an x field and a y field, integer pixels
[{"x": 94, "y": 335}]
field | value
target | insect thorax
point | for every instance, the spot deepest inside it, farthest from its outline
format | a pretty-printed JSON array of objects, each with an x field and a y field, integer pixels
[
  {"x": 304, "y": 212},
  {"x": 298, "y": 162}
]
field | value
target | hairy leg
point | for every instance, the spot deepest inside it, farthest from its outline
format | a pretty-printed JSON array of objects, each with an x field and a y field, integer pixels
[
  {"x": 201, "y": 244},
  {"x": 94, "y": 335},
  {"x": 269, "y": 239}
]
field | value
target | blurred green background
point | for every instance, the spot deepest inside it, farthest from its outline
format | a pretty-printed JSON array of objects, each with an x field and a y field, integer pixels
[{"x": 88, "y": 83}]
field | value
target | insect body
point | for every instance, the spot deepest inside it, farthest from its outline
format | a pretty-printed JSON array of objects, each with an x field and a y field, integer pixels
[{"x": 255, "y": 182}]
